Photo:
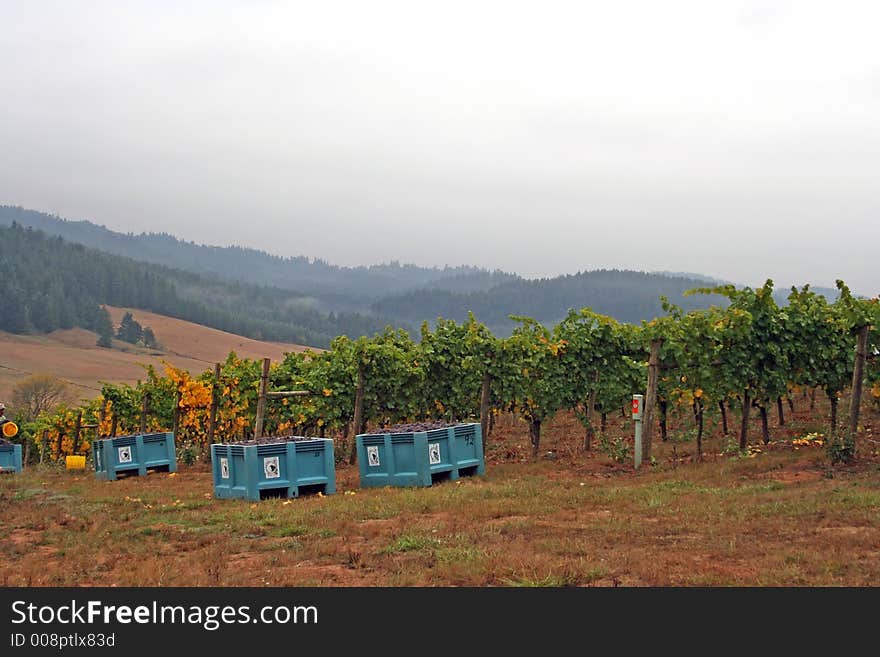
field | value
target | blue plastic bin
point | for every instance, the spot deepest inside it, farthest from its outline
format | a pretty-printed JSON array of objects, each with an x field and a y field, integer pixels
[
  {"x": 287, "y": 468},
  {"x": 10, "y": 458},
  {"x": 420, "y": 458},
  {"x": 135, "y": 454}
]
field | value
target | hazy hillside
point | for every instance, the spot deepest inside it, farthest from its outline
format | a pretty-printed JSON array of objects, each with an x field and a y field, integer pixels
[
  {"x": 332, "y": 287},
  {"x": 308, "y": 300},
  {"x": 628, "y": 296},
  {"x": 71, "y": 354},
  {"x": 51, "y": 284}
]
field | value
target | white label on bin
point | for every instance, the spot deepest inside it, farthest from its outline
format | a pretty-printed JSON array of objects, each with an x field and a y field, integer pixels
[
  {"x": 271, "y": 467},
  {"x": 434, "y": 453},
  {"x": 98, "y": 459},
  {"x": 125, "y": 454},
  {"x": 373, "y": 455},
  {"x": 224, "y": 468}
]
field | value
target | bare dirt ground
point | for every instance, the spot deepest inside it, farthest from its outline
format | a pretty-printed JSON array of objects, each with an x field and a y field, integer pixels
[{"x": 73, "y": 355}]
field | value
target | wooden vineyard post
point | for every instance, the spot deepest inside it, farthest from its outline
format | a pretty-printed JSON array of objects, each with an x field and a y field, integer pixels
[
  {"x": 175, "y": 417},
  {"x": 76, "y": 430},
  {"x": 650, "y": 398},
  {"x": 261, "y": 401},
  {"x": 744, "y": 427},
  {"x": 45, "y": 445},
  {"x": 103, "y": 414},
  {"x": 212, "y": 413},
  {"x": 590, "y": 432},
  {"x": 858, "y": 378},
  {"x": 358, "y": 413},
  {"x": 484, "y": 407},
  {"x": 145, "y": 409},
  {"x": 114, "y": 422}
]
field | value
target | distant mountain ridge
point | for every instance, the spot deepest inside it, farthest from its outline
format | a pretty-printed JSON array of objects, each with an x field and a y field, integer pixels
[
  {"x": 364, "y": 297},
  {"x": 331, "y": 287},
  {"x": 50, "y": 283}
]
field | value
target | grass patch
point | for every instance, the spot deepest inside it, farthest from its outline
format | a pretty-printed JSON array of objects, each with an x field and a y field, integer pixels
[{"x": 411, "y": 543}]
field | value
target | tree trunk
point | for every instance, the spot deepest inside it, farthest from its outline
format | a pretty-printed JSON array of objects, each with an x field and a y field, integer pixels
[
  {"x": 812, "y": 400},
  {"x": 623, "y": 412},
  {"x": 535, "y": 435},
  {"x": 484, "y": 408},
  {"x": 604, "y": 424},
  {"x": 650, "y": 398},
  {"x": 58, "y": 444},
  {"x": 261, "y": 400},
  {"x": 858, "y": 379},
  {"x": 358, "y": 421},
  {"x": 833, "y": 400},
  {"x": 215, "y": 401},
  {"x": 765, "y": 423},
  {"x": 589, "y": 434},
  {"x": 698, "y": 405},
  {"x": 744, "y": 428},
  {"x": 27, "y": 453},
  {"x": 790, "y": 399},
  {"x": 723, "y": 408},
  {"x": 780, "y": 411},
  {"x": 664, "y": 435},
  {"x": 114, "y": 422}
]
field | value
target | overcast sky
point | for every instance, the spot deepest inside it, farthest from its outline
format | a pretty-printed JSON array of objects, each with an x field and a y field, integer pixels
[{"x": 735, "y": 139}]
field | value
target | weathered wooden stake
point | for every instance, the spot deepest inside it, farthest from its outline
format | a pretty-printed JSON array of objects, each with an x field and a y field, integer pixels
[
  {"x": 76, "y": 429},
  {"x": 45, "y": 445},
  {"x": 261, "y": 400},
  {"x": 175, "y": 417},
  {"x": 215, "y": 394},
  {"x": 484, "y": 407},
  {"x": 855, "y": 403},
  {"x": 358, "y": 421},
  {"x": 145, "y": 409},
  {"x": 744, "y": 427},
  {"x": 590, "y": 431},
  {"x": 650, "y": 398}
]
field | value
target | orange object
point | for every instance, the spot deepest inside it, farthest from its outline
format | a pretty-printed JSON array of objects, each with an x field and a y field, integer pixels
[{"x": 10, "y": 429}]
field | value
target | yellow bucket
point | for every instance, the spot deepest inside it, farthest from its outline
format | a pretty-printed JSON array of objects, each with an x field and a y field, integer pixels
[
  {"x": 10, "y": 429},
  {"x": 75, "y": 462}
]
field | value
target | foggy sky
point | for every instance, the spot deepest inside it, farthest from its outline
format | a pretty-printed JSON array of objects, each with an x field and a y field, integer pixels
[{"x": 735, "y": 139}]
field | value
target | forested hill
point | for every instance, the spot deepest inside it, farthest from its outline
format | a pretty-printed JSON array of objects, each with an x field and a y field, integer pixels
[
  {"x": 314, "y": 299},
  {"x": 331, "y": 286},
  {"x": 49, "y": 283},
  {"x": 628, "y": 296}
]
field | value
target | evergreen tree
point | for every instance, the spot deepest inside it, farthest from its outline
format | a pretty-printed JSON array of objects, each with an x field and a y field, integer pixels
[
  {"x": 104, "y": 328},
  {"x": 129, "y": 329},
  {"x": 149, "y": 338}
]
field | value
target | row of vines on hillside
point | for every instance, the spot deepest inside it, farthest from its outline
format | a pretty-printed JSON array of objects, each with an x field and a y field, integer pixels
[{"x": 750, "y": 355}]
